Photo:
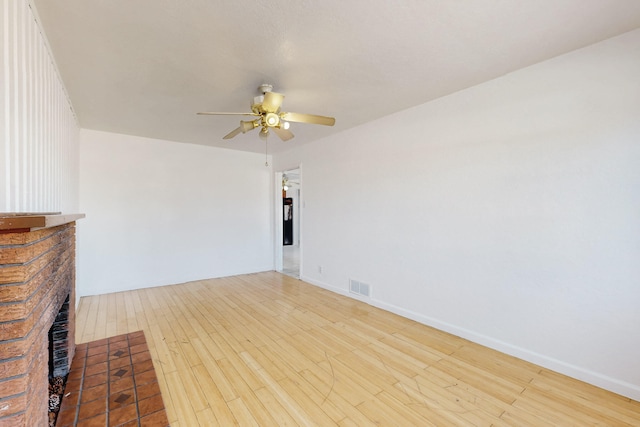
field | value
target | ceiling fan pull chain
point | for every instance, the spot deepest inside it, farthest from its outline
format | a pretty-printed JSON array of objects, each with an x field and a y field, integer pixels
[{"x": 266, "y": 151}]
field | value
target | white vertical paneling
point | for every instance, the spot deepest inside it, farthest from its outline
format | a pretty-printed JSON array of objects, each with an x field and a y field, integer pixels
[
  {"x": 4, "y": 104},
  {"x": 40, "y": 136}
]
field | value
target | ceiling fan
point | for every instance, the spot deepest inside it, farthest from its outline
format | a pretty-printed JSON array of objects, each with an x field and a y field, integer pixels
[{"x": 267, "y": 108}]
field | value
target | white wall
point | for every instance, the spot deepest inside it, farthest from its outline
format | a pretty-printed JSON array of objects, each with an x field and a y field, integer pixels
[
  {"x": 38, "y": 130},
  {"x": 508, "y": 213},
  {"x": 160, "y": 212}
]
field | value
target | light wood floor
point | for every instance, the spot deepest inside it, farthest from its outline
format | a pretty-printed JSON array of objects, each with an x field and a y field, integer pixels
[{"x": 269, "y": 350}]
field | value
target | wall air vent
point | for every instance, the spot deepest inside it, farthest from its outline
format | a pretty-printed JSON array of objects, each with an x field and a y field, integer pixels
[{"x": 359, "y": 288}]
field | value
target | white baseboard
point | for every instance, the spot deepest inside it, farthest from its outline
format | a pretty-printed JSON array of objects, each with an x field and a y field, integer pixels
[{"x": 615, "y": 385}]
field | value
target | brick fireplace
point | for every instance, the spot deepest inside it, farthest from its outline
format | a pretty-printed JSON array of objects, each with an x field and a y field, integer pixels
[{"x": 37, "y": 312}]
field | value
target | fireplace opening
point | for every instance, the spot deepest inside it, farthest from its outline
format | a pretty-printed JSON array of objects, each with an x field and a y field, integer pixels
[{"x": 58, "y": 360}]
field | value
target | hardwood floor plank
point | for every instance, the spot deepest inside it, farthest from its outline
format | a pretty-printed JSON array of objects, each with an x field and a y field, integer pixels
[
  {"x": 313, "y": 414},
  {"x": 288, "y": 402},
  {"x": 348, "y": 422},
  {"x": 267, "y": 349},
  {"x": 427, "y": 380},
  {"x": 540, "y": 411},
  {"x": 215, "y": 398},
  {"x": 222, "y": 383},
  {"x": 592, "y": 394},
  {"x": 234, "y": 359},
  {"x": 242, "y": 414},
  {"x": 84, "y": 316},
  {"x": 554, "y": 402},
  {"x": 432, "y": 338},
  {"x": 294, "y": 359},
  {"x": 413, "y": 349},
  {"x": 389, "y": 415},
  {"x": 169, "y": 402},
  {"x": 494, "y": 386},
  {"x": 438, "y": 403},
  {"x": 182, "y": 410},
  {"x": 197, "y": 397},
  {"x": 266, "y": 363},
  {"x": 319, "y": 399},
  {"x": 515, "y": 417},
  {"x": 516, "y": 371},
  {"x": 611, "y": 412},
  {"x": 101, "y": 318},
  {"x": 277, "y": 411},
  {"x": 338, "y": 382},
  {"x": 396, "y": 359},
  {"x": 207, "y": 418},
  {"x": 336, "y": 398}
]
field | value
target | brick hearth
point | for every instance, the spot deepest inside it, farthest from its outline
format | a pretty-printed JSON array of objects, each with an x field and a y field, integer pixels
[
  {"x": 112, "y": 382},
  {"x": 37, "y": 275}
]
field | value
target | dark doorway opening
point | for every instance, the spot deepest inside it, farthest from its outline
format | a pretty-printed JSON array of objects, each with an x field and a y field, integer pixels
[{"x": 287, "y": 221}]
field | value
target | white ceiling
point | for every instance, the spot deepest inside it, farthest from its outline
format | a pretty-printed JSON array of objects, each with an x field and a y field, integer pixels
[{"x": 145, "y": 67}]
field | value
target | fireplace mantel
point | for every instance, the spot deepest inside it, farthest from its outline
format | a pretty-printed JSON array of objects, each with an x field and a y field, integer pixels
[{"x": 20, "y": 222}]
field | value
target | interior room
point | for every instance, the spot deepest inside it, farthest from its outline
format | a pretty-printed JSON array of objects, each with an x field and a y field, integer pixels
[{"x": 457, "y": 244}]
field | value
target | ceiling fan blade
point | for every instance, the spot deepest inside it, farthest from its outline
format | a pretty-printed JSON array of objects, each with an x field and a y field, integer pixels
[
  {"x": 233, "y": 133},
  {"x": 284, "y": 134},
  {"x": 272, "y": 102},
  {"x": 210, "y": 113},
  {"x": 308, "y": 118}
]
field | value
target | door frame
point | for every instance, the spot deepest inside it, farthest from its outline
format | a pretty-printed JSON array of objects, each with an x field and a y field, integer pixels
[{"x": 279, "y": 216}]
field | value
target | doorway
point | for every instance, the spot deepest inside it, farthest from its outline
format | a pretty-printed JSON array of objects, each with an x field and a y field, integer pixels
[{"x": 289, "y": 238}]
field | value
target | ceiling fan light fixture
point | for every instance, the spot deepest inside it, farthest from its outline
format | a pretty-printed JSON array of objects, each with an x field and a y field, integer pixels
[
  {"x": 285, "y": 125},
  {"x": 264, "y": 133},
  {"x": 246, "y": 126},
  {"x": 271, "y": 119}
]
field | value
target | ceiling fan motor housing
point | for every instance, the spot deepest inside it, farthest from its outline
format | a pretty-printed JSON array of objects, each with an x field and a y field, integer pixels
[{"x": 265, "y": 87}]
